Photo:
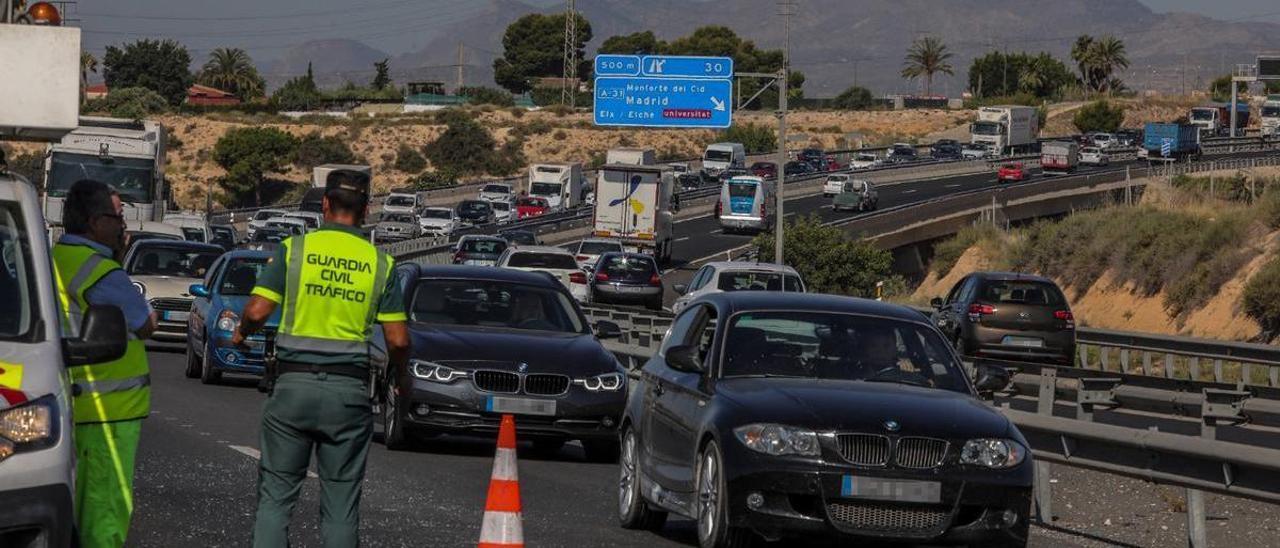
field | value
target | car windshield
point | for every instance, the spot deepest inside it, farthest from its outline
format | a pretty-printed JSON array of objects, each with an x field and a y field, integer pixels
[
  {"x": 311, "y": 222},
  {"x": 1020, "y": 292},
  {"x": 265, "y": 214},
  {"x": 17, "y": 277},
  {"x": 401, "y": 201},
  {"x": 829, "y": 345},
  {"x": 597, "y": 248},
  {"x": 544, "y": 189},
  {"x": 628, "y": 268},
  {"x": 496, "y": 189},
  {"x": 531, "y": 202},
  {"x": 170, "y": 260},
  {"x": 437, "y": 213},
  {"x": 985, "y": 128},
  {"x": 398, "y": 218},
  {"x": 553, "y": 261},
  {"x": 758, "y": 281},
  {"x": 485, "y": 303},
  {"x": 240, "y": 275},
  {"x": 501, "y": 206},
  {"x": 274, "y": 236},
  {"x": 837, "y": 178},
  {"x": 855, "y": 186},
  {"x": 718, "y": 156},
  {"x": 1102, "y": 137},
  {"x": 1271, "y": 112},
  {"x": 865, "y": 158},
  {"x": 742, "y": 189},
  {"x": 192, "y": 234},
  {"x": 1089, "y": 151},
  {"x": 474, "y": 206},
  {"x": 975, "y": 146},
  {"x": 131, "y": 177},
  {"x": 483, "y": 246},
  {"x": 1014, "y": 167},
  {"x": 1202, "y": 115}
]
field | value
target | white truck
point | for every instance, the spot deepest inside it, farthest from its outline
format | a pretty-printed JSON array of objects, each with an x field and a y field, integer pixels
[
  {"x": 313, "y": 199},
  {"x": 634, "y": 205},
  {"x": 1271, "y": 117},
  {"x": 1006, "y": 129},
  {"x": 722, "y": 157},
  {"x": 630, "y": 156},
  {"x": 561, "y": 185},
  {"x": 1059, "y": 157},
  {"x": 129, "y": 155}
]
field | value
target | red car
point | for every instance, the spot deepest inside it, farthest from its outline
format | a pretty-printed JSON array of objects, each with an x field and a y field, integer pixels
[
  {"x": 1012, "y": 172},
  {"x": 528, "y": 206},
  {"x": 764, "y": 170},
  {"x": 832, "y": 163}
]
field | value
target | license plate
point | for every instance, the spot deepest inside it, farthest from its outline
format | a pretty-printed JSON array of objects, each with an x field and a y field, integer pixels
[
  {"x": 176, "y": 315},
  {"x": 1029, "y": 342},
  {"x": 895, "y": 490},
  {"x": 520, "y": 406}
]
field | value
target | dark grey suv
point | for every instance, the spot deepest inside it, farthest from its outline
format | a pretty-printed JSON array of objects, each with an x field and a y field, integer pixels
[{"x": 1008, "y": 316}]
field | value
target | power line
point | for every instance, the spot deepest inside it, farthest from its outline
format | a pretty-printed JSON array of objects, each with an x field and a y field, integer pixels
[{"x": 346, "y": 10}]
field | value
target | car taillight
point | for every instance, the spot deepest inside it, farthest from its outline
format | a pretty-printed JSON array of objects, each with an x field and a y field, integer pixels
[
  {"x": 764, "y": 208},
  {"x": 459, "y": 257},
  {"x": 655, "y": 280},
  {"x": 578, "y": 278},
  {"x": 1066, "y": 316},
  {"x": 977, "y": 311},
  {"x": 602, "y": 277},
  {"x": 582, "y": 257}
]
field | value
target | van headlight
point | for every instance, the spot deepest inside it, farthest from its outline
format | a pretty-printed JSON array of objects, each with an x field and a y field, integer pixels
[
  {"x": 29, "y": 427},
  {"x": 434, "y": 372},
  {"x": 777, "y": 439},
  {"x": 608, "y": 382},
  {"x": 993, "y": 453}
]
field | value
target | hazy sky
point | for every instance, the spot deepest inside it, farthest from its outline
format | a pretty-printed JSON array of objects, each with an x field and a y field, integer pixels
[{"x": 1220, "y": 9}]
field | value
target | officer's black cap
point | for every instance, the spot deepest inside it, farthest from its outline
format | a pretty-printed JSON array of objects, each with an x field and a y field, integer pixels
[{"x": 347, "y": 179}]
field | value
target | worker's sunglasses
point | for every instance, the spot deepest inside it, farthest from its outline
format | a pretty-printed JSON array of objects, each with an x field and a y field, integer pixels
[{"x": 116, "y": 216}]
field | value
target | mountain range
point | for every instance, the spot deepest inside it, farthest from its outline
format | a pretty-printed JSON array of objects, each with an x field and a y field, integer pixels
[{"x": 837, "y": 43}]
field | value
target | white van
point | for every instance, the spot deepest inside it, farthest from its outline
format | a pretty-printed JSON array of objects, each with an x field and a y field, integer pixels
[
  {"x": 722, "y": 157},
  {"x": 561, "y": 184},
  {"x": 746, "y": 203},
  {"x": 400, "y": 202}
]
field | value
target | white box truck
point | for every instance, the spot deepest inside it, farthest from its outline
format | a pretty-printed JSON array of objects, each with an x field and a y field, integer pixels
[
  {"x": 1006, "y": 129},
  {"x": 634, "y": 204},
  {"x": 631, "y": 156},
  {"x": 1059, "y": 157},
  {"x": 723, "y": 157},
  {"x": 1271, "y": 117},
  {"x": 129, "y": 155},
  {"x": 561, "y": 184}
]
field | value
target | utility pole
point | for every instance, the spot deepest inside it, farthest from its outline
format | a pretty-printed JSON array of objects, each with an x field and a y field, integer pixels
[
  {"x": 460, "y": 65},
  {"x": 780, "y": 218},
  {"x": 568, "y": 81}
]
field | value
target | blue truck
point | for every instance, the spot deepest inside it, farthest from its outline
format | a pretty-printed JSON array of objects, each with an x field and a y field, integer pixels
[{"x": 1170, "y": 140}]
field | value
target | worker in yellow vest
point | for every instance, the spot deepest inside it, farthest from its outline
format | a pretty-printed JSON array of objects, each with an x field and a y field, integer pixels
[
  {"x": 109, "y": 400},
  {"x": 332, "y": 285}
]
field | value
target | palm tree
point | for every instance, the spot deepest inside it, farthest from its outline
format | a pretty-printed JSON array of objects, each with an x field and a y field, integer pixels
[
  {"x": 927, "y": 56},
  {"x": 88, "y": 63},
  {"x": 1109, "y": 56},
  {"x": 1082, "y": 53},
  {"x": 1033, "y": 76},
  {"x": 231, "y": 69}
]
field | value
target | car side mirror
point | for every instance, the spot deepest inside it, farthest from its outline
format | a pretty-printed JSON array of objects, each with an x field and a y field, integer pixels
[
  {"x": 103, "y": 337},
  {"x": 607, "y": 330},
  {"x": 198, "y": 290},
  {"x": 684, "y": 358},
  {"x": 991, "y": 379},
  {"x": 680, "y": 289},
  {"x": 936, "y": 303}
]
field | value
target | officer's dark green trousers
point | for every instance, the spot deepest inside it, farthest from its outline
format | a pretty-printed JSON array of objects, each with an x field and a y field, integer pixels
[{"x": 327, "y": 414}]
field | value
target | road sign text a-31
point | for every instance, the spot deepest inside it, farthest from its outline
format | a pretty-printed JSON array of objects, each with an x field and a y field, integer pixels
[{"x": 663, "y": 91}]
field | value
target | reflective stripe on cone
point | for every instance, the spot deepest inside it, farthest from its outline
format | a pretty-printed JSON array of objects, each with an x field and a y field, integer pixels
[{"x": 501, "y": 527}]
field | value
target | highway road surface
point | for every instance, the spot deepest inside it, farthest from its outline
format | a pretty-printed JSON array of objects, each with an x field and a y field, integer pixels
[{"x": 196, "y": 479}]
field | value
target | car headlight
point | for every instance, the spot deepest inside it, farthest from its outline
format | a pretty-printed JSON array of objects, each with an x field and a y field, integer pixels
[
  {"x": 142, "y": 289},
  {"x": 607, "y": 382},
  {"x": 776, "y": 439},
  {"x": 993, "y": 453},
  {"x": 228, "y": 321},
  {"x": 434, "y": 372},
  {"x": 28, "y": 427}
]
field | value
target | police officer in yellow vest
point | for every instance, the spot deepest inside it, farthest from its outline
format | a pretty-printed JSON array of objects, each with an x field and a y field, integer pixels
[
  {"x": 333, "y": 285},
  {"x": 109, "y": 400}
]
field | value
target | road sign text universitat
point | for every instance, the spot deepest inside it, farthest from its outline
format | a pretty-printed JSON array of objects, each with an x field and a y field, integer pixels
[{"x": 663, "y": 91}]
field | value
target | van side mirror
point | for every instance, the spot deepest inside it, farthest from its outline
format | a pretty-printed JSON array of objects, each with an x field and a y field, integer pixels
[
  {"x": 607, "y": 330},
  {"x": 103, "y": 337},
  {"x": 684, "y": 358},
  {"x": 198, "y": 290},
  {"x": 992, "y": 378}
]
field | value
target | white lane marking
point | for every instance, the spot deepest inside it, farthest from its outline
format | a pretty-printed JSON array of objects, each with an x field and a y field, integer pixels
[
  {"x": 909, "y": 191},
  {"x": 682, "y": 238},
  {"x": 256, "y": 455},
  {"x": 952, "y": 186}
]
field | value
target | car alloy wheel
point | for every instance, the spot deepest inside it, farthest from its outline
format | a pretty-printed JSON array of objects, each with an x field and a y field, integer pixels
[
  {"x": 209, "y": 375},
  {"x": 628, "y": 479},
  {"x": 393, "y": 434},
  {"x": 708, "y": 495},
  {"x": 193, "y": 363}
]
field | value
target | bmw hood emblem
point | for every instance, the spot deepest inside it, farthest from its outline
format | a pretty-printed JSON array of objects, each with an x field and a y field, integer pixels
[
  {"x": 892, "y": 425},
  {"x": 523, "y": 367}
]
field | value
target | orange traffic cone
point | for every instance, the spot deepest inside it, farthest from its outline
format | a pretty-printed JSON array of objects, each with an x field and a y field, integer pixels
[{"x": 502, "y": 521}]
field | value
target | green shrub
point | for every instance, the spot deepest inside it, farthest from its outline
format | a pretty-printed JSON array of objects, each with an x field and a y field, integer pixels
[
  {"x": 467, "y": 148},
  {"x": 431, "y": 180},
  {"x": 481, "y": 95},
  {"x": 829, "y": 260},
  {"x": 1233, "y": 189},
  {"x": 1261, "y": 298},
  {"x": 532, "y": 127},
  {"x": 131, "y": 103},
  {"x": 755, "y": 138},
  {"x": 1269, "y": 207},
  {"x": 854, "y": 98},
  {"x": 409, "y": 160},
  {"x": 248, "y": 154},
  {"x": 1099, "y": 116},
  {"x": 314, "y": 150}
]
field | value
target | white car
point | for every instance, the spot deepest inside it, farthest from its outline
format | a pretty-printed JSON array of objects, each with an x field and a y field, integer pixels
[
  {"x": 313, "y": 219},
  {"x": 975, "y": 151},
  {"x": 1094, "y": 156},
  {"x": 834, "y": 185},
  {"x": 588, "y": 251},
  {"x": 725, "y": 276},
  {"x": 552, "y": 260},
  {"x": 864, "y": 161},
  {"x": 260, "y": 217},
  {"x": 439, "y": 221},
  {"x": 504, "y": 211},
  {"x": 1104, "y": 140},
  {"x": 163, "y": 271},
  {"x": 292, "y": 224},
  {"x": 194, "y": 227},
  {"x": 496, "y": 192}
]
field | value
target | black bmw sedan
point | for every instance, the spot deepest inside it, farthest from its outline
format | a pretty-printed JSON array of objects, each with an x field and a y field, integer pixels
[
  {"x": 775, "y": 414},
  {"x": 494, "y": 341}
]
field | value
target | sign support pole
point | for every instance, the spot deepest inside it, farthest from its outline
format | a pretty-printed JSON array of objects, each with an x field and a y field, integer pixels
[{"x": 781, "y": 219}]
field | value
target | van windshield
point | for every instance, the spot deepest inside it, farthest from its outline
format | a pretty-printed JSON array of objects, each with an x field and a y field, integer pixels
[
  {"x": 1202, "y": 115},
  {"x": 719, "y": 156},
  {"x": 742, "y": 189},
  {"x": 17, "y": 278},
  {"x": 544, "y": 189},
  {"x": 985, "y": 128},
  {"x": 133, "y": 178}
]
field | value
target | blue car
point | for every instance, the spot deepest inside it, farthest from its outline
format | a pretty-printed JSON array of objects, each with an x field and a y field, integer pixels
[{"x": 215, "y": 314}]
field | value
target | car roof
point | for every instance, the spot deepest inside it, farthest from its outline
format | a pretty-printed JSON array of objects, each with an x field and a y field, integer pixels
[
  {"x": 471, "y": 272},
  {"x": 489, "y": 237},
  {"x": 1009, "y": 276},
  {"x": 746, "y": 265},
  {"x": 163, "y": 242},
  {"x": 248, "y": 254},
  {"x": 540, "y": 249},
  {"x": 601, "y": 240},
  {"x": 746, "y": 301},
  {"x": 627, "y": 254}
]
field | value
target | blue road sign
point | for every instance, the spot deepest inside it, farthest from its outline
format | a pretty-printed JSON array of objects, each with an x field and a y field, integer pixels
[
  {"x": 663, "y": 102},
  {"x": 673, "y": 66},
  {"x": 617, "y": 65}
]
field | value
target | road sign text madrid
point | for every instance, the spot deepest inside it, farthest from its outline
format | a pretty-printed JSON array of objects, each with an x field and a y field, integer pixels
[{"x": 663, "y": 91}]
